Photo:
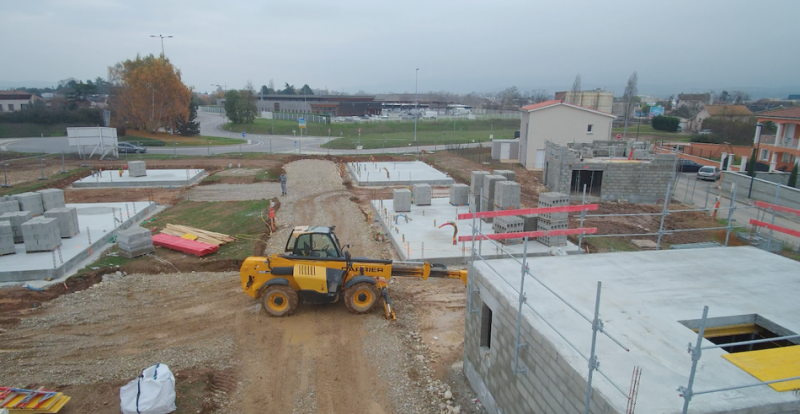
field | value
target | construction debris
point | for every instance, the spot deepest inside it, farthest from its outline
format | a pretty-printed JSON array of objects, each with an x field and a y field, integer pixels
[
  {"x": 19, "y": 400},
  {"x": 203, "y": 236}
]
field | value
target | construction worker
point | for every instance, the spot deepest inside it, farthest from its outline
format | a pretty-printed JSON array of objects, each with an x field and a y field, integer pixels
[{"x": 282, "y": 179}]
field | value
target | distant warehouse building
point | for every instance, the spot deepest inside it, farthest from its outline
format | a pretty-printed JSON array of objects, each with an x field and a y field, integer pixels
[{"x": 329, "y": 105}]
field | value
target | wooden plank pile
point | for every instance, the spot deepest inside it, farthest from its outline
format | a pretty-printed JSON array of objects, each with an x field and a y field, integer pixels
[{"x": 203, "y": 236}]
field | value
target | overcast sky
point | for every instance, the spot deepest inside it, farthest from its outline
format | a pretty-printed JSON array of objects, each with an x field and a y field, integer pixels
[{"x": 460, "y": 46}]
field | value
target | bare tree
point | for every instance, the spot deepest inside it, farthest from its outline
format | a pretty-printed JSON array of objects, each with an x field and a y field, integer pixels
[
  {"x": 576, "y": 90},
  {"x": 740, "y": 97},
  {"x": 630, "y": 91},
  {"x": 272, "y": 85},
  {"x": 538, "y": 95}
]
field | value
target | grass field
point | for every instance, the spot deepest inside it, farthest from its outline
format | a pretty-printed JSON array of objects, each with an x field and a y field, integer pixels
[
  {"x": 162, "y": 139},
  {"x": 25, "y": 130},
  {"x": 390, "y": 134},
  {"x": 648, "y": 131},
  {"x": 229, "y": 217}
]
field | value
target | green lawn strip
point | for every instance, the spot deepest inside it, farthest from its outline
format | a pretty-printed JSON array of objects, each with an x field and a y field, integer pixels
[
  {"x": 647, "y": 130},
  {"x": 501, "y": 128},
  {"x": 196, "y": 141},
  {"x": 228, "y": 217},
  {"x": 25, "y": 130},
  {"x": 404, "y": 139},
  {"x": 611, "y": 244}
]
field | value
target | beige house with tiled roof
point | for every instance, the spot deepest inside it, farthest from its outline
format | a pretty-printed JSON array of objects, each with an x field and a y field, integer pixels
[
  {"x": 11, "y": 101},
  {"x": 738, "y": 113}
]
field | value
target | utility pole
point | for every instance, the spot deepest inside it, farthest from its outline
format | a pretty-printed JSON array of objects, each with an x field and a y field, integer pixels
[
  {"x": 162, "y": 42},
  {"x": 416, "y": 110}
]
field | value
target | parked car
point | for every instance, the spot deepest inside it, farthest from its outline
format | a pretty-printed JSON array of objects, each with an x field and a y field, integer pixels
[
  {"x": 709, "y": 173},
  {"x": 705, "y": 132},
  {"x": 685, "y": 165},
  {"x": 127, "y": 147}
]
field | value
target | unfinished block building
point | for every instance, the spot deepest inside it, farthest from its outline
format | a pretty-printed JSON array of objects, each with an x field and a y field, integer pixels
[
  {"x": 611, "y": 171},
  {"x": 651, "y": 305}
]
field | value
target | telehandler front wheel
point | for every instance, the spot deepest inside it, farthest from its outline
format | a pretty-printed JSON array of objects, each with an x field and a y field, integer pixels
[
  {"x": 279, "y": 300},
  {"x": 361, "y": 297}
]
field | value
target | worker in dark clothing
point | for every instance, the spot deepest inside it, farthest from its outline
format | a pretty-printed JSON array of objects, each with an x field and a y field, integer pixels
[{"x": 282, "y": 179}]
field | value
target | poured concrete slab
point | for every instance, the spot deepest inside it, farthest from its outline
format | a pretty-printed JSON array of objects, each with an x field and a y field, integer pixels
[
  {"x": 423, "y": 240},
  {"x": 644, "y": 297},
  {"x": 98, "y": 222},
  {"x": 154, "y": 178},
  {"x": 396, "y": 173}
]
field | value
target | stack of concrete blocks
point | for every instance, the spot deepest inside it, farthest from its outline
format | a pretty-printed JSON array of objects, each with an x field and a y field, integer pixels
[
  {"x": 67, "y": 219},
  {"x": 489, "y": 189},
  {"x": 16, "y": 219},
  {"x": 30, "y": 202},
  {"x": 52, "y": 198},
  {"x": 6, "y": 238},
  {"x": 137, "y": 169},
  {"x": 509, "y": 224},
  {"x": 506, "y": 195},
  {"x": 459, "y": 194},
  {"x": 510, "y": 175},
  {"x": 9, "y": 206},
  {"x": 530, "y": 222},
  {"x": 402, "y": 200},
  {"x": 134, "y": 242},
  {"x": 41, "y": 234},
  {"x": 422, "y": 195},
  {"x": 553, "y": 221},
  {"x": 475, "y": 186}
]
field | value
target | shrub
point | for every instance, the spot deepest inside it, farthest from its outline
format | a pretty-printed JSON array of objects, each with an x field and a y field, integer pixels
[{"x": 666, "y": 123}]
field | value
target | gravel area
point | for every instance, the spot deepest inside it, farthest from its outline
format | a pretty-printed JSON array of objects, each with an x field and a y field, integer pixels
[{"x": 234, "y": 192}]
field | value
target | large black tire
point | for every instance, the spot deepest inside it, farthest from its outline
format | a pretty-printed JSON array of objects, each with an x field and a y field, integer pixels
[
  {"x": 279, "y": 300},
  {"x": 361, "y": 297}
]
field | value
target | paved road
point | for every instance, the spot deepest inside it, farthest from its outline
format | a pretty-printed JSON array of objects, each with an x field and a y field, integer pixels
[
  {"x": 703, "y": 194},
  {"x": 210, "y": 125}
]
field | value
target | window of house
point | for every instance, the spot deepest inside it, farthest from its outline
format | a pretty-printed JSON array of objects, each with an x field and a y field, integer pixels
[
  {"x": 486, "y": 327},
  {"x": 23, "y": 106},
  {"x": 764, "y": 155},
  {"x": 786, "y": 157},
  {"x": 10, "y": 107},
  {"x": 589, "y": 128},
  {"x": 1, "y": 107}
]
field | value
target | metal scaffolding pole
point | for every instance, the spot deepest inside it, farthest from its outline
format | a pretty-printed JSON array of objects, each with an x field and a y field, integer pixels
[
  {"x": 686, "y": 392},
  {"x": 593, "y": 364},
  {"x": 522, "y": 300}
]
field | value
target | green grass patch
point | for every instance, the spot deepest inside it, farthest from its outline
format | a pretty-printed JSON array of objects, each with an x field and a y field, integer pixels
[
  {"x": 229, "y": 217},
  {"x": 143, "y": 141},
  {"x": 647, "y": 130},
  {"x": 269, "y": 174},
  {"x": 27, "y": 130},
  {"x": 610, "y": 244},
  {"x": 167, "y": 140}
]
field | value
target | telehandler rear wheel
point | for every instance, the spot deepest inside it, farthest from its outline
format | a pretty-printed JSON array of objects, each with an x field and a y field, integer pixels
[
  {"x": 361, "y": 297},
  {"x": 279, "y": 300}
]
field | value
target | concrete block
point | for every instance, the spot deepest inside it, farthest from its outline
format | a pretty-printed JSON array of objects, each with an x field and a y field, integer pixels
[
  {"x": 16, "y": 219},
  {"x": 41, "y": 234},
  {"x": 553, "y": 199},
  {"x": 422, "y": 195},
  {"x": 134, "y": 242},
  {"x": 30, "y": 202},
  {"x": 509, "y": 224},
  {"x": 546, "y": 224},
  {"x": 137, "y": 169},
  {"x": 510, "y": 175},
  {"x": 67, "y": 220},
  {"x": 6, "y": 238},
  {"x": 489, "y": 186},
  {"x": 475, "y": 186},
  {"x": 9, "y": 206},
  {"x": 459, "y": 194},
  {"x": 506, "y": 195},
  {"x": 529, "y": 222},
  {"x": 52, "y": 198},
  {"x": 402, "y": 200}
]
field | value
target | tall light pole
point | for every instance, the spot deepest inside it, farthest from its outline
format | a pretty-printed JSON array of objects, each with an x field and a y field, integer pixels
[
  {"x": 162, "y": 41},
  {"x": 416, "y": 111}
]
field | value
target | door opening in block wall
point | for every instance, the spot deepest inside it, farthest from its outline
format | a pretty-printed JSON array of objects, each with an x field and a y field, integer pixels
[
  {"x": 593, "y": 181},
  {"x": 486, "y": 327}
]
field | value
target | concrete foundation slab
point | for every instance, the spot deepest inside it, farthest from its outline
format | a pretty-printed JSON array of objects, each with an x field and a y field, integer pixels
[
  {"x": 648, "y": 301},
  {"x": 154, "y": 178},
  {"x": 425, "y": 241},
  {"x": 99, "y": 222},
  {"x": 396, "y": 173}
]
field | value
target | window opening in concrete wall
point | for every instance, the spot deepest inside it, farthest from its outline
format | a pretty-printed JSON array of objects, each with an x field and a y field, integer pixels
[
  {"x": 589, "y": 128},
  {"x": 592, "y": 179},
  {"x": 486, "y": 327},
  {"x": 730, "y": 329}
]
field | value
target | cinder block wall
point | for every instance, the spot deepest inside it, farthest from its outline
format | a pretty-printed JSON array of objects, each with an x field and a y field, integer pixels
[
  {"x": 550, "y": 386},
  {"x": 640, "y": 182}
]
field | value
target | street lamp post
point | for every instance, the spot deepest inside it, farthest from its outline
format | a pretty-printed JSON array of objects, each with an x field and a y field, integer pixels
[
  {"x": 416, "y": 110},
  {"x": 162, "y": 42}
]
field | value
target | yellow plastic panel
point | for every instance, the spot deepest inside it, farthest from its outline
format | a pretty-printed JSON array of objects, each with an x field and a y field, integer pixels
[{"x": 771, "y": 364}]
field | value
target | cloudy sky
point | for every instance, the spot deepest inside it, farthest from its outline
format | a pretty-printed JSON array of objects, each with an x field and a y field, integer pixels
[{"x": 460, "y": 46}]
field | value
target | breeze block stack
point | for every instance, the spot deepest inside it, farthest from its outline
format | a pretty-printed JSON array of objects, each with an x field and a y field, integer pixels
[
  {"x": 16, "y": 219},
  {"x": 402, "y": 200},
  {"x": 508, "y": 224},
  {"x": 67, "y": 219},
  {"x": 137, "y": 169},
  {"x": 41, "y": 234},
  {"x": 422, "y": 195},
  {"x": 459, "y": 195},
  {"x": 30, "y": 202},
  {"x": 52, "y": 198},
  {"x": 475, "y": 187},
  {"x": 134, "y": 242},
  {"x": 506, "y": 195},
  {"x": 489, "y": 189},
  {"x": 6, "y": 238},
  {"x": 553, "y": 221},
  {"x": 10, "y": 206}
]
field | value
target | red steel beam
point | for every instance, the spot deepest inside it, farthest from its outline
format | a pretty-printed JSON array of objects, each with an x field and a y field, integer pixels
[
  {"x": 779, "y": 229},
  {"x": 539, "y": 233},
  {"x": 777, "y": 208},
  {"x": 540, "y": 210}
]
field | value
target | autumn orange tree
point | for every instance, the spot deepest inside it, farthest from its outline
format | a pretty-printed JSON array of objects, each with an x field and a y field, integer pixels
[{"x": 148, "y": 94}]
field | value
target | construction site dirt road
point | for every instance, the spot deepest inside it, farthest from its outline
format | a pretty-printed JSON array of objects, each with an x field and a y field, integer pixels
[{"x": 229, "y": 356}]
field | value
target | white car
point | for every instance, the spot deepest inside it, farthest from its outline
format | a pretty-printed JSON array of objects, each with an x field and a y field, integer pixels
[{"x": 709, "y": 173}]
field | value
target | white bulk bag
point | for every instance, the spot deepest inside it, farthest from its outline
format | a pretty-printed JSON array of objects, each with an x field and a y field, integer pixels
[{"x": 152, "y": 392}]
